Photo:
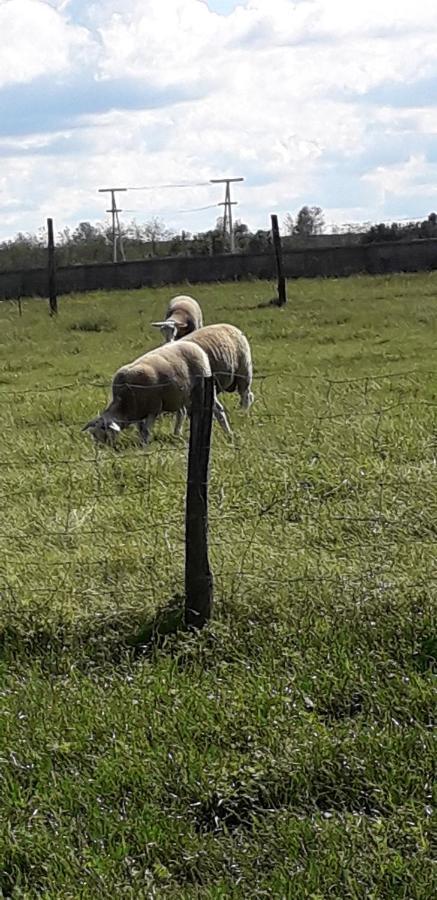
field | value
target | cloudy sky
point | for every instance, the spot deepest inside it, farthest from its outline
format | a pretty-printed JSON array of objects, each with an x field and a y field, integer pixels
[{"x": 327, "y": 102}]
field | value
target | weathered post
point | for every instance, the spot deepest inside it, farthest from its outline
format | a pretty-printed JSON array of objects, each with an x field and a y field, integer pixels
[
  {"x": 198, "y": 575},
  {"x": 282, "y": 284},
  {"x": 53, "y": 300}
]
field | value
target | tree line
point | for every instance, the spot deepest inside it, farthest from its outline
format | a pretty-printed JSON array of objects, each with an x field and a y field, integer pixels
[{"x": 92, "y": 243}]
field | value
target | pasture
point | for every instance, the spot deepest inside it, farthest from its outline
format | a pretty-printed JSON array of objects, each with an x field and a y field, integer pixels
[{"x": 286, "y": 750}]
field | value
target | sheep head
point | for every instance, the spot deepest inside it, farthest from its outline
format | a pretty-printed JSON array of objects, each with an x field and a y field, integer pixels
[
  {"x": 103, "y": 431},
  {"x": 168, "y": 328}
]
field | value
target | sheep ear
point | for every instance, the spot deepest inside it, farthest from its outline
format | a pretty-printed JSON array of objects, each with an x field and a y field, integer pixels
[
  {"x": 114, "y": 427},
  {"x": 158, "y": 324}
]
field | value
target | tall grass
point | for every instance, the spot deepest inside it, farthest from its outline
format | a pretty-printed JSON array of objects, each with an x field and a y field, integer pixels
[{"x": 286, "y": 751}]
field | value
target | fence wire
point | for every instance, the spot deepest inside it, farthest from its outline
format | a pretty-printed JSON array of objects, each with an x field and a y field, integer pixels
[{"x": 361, "y": 514}]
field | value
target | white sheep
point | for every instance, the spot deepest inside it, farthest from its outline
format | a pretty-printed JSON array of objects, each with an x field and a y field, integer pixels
[
  {"x": 229, "y": 355},
  {"x": 183, "y": 316},
  {"x": 157, "y": 382}
]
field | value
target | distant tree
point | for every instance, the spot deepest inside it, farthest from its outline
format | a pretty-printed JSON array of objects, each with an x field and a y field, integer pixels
[
  {"x": 260, "y": 242},
  {"x": 180, "y": 244},
  {"x": 209, "y": 243},
  {"x": 88, "y": 243},
  {"x": 155, "y": 230},
  {"x": 86, "y": 232},
  {"x": 241, "y": 236},
  {"x": 288, "y": 224},
  {"x": 401, "y": 231},
  {"x": 309, "y": 221},
  {"x": 24, "y": 251}
]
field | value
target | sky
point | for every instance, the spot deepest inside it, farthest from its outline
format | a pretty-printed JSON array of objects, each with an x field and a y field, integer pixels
[{"x": 321, "y": 102}]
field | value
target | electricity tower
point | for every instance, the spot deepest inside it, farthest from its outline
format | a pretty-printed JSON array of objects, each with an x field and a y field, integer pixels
[
  {"x": 228, "y": 204},
  {"x": 117, "y": 237}
]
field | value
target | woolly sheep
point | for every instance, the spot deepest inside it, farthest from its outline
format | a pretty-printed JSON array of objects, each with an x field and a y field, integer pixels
[
  {"x": 183, "y": 316},
  {"x": 230, "y": 358},
  {"x": 159, "y": 381}
]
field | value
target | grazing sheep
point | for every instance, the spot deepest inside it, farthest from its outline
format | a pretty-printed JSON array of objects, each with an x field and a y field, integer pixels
[
  {"x": 228, "y": 351},
  {"x": 183, "y": 316},
  {"x": 157, "y": 382}
]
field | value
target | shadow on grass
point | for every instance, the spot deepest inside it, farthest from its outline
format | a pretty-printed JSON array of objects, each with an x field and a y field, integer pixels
[
  {"x": 167, "y": 622},
  {"x": 112, "y": 640},
  {"x": 265, "y": 304}
]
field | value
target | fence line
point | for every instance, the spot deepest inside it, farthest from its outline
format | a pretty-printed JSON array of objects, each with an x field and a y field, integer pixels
[
  {"x": 314, "y": 517},
  {"x": 299, "y": 484},
  {"x": 74, "y": 385},
  {"x": 411, "y": 585},
  {"x": 348, "y": 416},
  {"x": 327, "y": 261}
]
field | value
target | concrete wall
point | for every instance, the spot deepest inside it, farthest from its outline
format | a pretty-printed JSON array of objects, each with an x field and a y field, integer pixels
[{"x": 409, "y": 256}]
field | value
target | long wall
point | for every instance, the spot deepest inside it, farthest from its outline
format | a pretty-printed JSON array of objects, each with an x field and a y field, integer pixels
[{"x": 375, "y": 259}]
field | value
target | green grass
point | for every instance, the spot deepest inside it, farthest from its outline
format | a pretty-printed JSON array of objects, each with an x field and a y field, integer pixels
[{"x": 286, "y": 750}]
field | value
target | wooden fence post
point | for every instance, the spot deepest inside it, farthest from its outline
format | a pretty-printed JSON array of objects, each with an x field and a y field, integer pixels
[
  {"x": 198, "y": 575},
  {"x": 53, "y": 300},
  {"x": 282, "y": 284}
]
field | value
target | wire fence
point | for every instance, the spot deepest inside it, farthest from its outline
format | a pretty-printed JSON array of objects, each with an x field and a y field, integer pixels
[{"x": 333, "y": 488}]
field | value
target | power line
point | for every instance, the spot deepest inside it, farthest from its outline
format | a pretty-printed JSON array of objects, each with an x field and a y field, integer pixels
[
  {"x": 198, "y": 208},
  {"x": 156, "y": 187},
  {"x": 177, "y": 211}
]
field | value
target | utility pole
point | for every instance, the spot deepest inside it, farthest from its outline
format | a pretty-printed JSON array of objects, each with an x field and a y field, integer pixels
[
  {"x": 228, "y": 204},
  {"x": 117, "y": 236}
]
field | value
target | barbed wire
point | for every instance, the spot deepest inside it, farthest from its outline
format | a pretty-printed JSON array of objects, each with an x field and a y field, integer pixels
[
  {"x": 300, "y": 486},
  {"x": 133, "y": 591},
  {"x": 323, "y": 417},
  {"x": 162, "y": 536},
  {"x": 74, "y": 385}
]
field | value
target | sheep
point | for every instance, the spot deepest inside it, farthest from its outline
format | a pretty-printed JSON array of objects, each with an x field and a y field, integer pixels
[
  {"x": 229, "y": 355},
  {"x": 159, "y": 381},
  {"x": 183, "y": 316}
]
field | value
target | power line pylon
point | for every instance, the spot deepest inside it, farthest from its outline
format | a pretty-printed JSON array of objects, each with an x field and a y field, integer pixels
[
  {"x": 117, "y": 237},
  {"x": 228, "y": 204}
]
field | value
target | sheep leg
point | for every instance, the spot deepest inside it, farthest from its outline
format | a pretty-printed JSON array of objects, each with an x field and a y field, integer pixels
[
  {"x": 145, "y": 427},
  {"x": 244, "y": 390},
  {"x": 246, "y": 399},
  {"x": 220, "y": 416},
  {"x": 180, "y": 417}
]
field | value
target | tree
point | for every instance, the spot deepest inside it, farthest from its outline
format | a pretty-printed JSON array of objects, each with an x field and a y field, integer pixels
[
  {"x": 88, "y": 243},
  {"x": 25, "y": 251},
  {"x": 260, "y": 242},
  {"x": 402, "y": 231},
  {"x": 155, "y": 230},
  {"x": 309, "y": 221},
  {"x": 180, "y": 244},
  {"x": 241, "y": 236},
  {"x": 209, "y": 243},
  {"x": 288, "y": 224}
]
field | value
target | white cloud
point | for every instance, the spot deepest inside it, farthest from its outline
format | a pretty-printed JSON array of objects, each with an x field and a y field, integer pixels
[
  {"x": 284, "y": 93},
  {"x": 38, "y": 40},
  {"x": 409, "y": 179}
]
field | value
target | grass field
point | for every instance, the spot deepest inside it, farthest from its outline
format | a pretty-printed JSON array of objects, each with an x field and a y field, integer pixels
[{"x": 286, "y": 750}]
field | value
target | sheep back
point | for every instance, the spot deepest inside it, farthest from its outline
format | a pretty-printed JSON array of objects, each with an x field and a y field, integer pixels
[
  {"x": 186, "y": 313},
  {"x": 229, "y": 354},
  {"x": 158, "y": 381}
]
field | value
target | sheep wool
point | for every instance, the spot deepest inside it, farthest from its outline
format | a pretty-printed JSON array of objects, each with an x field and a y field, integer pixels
[
  {"x": 160, "y": 381},
  {"x": 183, "y": 316}
]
